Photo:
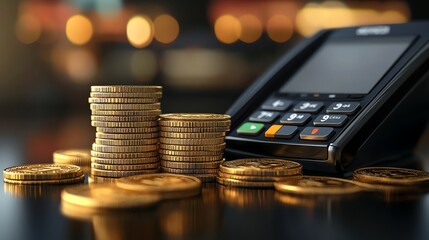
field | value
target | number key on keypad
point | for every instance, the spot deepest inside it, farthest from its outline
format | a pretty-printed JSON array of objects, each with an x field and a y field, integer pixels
[
  {"x": 330, "y": 120},
  {"x": 309, "y": 107},
  {"x": 278, "y": 104},
  {"x": 263, "y": 116},
  {"x": 295, "y": 118},
  {"x": 343, "y": 107}
]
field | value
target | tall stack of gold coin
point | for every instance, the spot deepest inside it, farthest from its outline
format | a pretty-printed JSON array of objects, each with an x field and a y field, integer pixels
[
  {"x": 126, "y": 120},
  {"x": 193, "y": 144}
]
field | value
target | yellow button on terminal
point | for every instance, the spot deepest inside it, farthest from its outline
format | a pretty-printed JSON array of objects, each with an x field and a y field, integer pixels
[{"x": 271, "y": 132}]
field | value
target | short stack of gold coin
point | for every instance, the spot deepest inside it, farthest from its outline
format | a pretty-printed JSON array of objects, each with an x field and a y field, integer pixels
[
  {"x": 257, "y": 172},
  {"x": 126, "y": 120},
  {"x": 193, "y": 144}
]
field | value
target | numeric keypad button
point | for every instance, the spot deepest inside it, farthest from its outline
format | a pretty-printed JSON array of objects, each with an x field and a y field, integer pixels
[
  {"x": 263, "y": 116},
  {"x": 348, "y": 108},
  {"x": 295, "y": 118},
  {"x": 330, "y": 120},
  {"x": 308, "y": 107},
  {"x": 277, "y": 104}
]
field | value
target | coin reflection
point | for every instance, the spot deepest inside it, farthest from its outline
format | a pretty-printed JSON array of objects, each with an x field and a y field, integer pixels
[
  {"x": 192, "y": 216},
  {"x": 246, "y": 198},
  {"x": 115, "y": 224},
  {"x": 34, "y": 191}
]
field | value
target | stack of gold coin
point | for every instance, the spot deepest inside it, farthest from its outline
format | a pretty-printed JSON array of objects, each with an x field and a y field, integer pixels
[
  {"x": 126, "y": 120},
  {"x": 43, "y": 174},
  {"x": 193, "y": 144},
  {"x": 257, "y": 172}
]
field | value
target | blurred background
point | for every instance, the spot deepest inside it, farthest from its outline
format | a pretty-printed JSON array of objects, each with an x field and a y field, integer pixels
[{"x": 204, "y": 53}]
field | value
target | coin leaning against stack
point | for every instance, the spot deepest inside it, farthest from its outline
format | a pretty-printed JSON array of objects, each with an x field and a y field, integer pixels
[
  {"x": 126, "y": 120},
  {"x": 193, "y": 143},
  {"x": 257, "y": 172}
]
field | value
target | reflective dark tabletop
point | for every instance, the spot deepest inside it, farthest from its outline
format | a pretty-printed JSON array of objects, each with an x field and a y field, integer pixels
[{"x": 219, "y": 212}]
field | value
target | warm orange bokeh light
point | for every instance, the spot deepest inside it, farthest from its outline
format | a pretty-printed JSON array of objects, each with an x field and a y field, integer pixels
[
  {"x": 166, "y": 28},
  {"x": 28, "y": 29},
  {"x": 251, "y": 28},
  {"x": 140, "y": 31},
  {"x": 79, "y": 30},
  {"x": 227, "y": 29},
  {"x": 279, "y": 28}
]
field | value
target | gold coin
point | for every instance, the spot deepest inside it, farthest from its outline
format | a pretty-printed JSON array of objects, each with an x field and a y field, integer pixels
[
  {"x": 124, "y": 161},
  {"x": 126, "y": 113},
  {"x": 191, "y": 158},
  {"x": 124, "y": 149},
  {"x": 317, "y": 185},
  {"x": 123, "y": 100},
  {"x": 124, "y": 136},
  {"x": 256, "y": 178},
  {"x": 219, "y": 147},
  {"x": 118, "y": 174},
  {"x": 126, "y": 88},
  {"x": 205, "y": 135},
  {"x": 191, "y": 124},
  {"x": 127, "y": 130},
  {"x": 124, "y": 155},
  {"x": 125, "y": 106},
  {"x": 190, "y": 165},
  {"x": 192, "y": 141},
  {"x": 192, "y": 171},
  {"x": 97, "y": 179},
  {"x": 240, "y": 183},
  {"x": 191, "y": 153},
  {"x": 106, "y": 196},
  {"x": 124, "y": 118},
  {"x": 127, "y": 167},
  {"x": 125, "y": 124},
  {"x": 205, "y": 178},
  {"x": 72, "y": 180},
  {"x": 167, "y": 185},
  {"x": 195, "y": 117},
  {"x": 73, "y": 156},
  {"x": 157, "y": 95},
  {"x": 261, "y": 167},
  {"x": 43, "y": 171},
  {"x": 134, "y": 142},
  {"x": 392, "y": 189},
  {"x": 390, "y": 175},
  {"x": 194, "y": 129}
]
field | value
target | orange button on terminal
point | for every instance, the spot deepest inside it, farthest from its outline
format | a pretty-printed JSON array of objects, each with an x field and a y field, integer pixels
[{"x": 271, "y": 132}]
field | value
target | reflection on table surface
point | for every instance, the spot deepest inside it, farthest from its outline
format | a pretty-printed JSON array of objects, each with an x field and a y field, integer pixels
[{"x": 219, "y": 212}]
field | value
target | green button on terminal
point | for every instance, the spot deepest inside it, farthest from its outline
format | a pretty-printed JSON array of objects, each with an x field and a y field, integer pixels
[{"x": 250, "y": 128}]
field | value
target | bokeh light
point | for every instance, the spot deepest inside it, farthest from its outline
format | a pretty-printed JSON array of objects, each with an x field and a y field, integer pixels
[
  {"x": 140, "y": 31},
  {"x": 279, "y": 28},
  {"x": 166, "y": 28},
  {"x": 28, "y": 29},
  {"x": 79, "y": 30},
  {"x": 251, "y": 28},
  {"x": 227, "y": 29}
]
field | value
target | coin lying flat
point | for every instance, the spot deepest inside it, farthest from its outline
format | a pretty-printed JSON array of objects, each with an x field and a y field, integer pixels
[
  {"x": 203, "y": 135},
  {"x": 124, "y": 124},
  {"x": 157, "y": 95},
  {"x": 124, "y": 118},
  {"x": 390, "y": 175},
  {"x": 80, "y": 157},
  {"x": 167, "y": 185},
  {"x": 133, "y": 142},
  {"x": 107, "y": 196},
  {"x": 123, "y": 100},
  {"x": 192, "y": 141},
  {"x": 256, "y": 178},
  {"x": 124, "y": 149},
  {"x": 240, "y": 183},
  {"x": 154, "y": 112},
  {"x": 211, "y": 148},
  {"x": 79, "y": 179},
  {"x": 118, "y": 174},
  {"x": 124, "y": 136},
  {"x": 261, "y": 167},
  {"x": 125, "y": 106},
  {"x": 124, "y": 161},
  {"x": 42, "y": 172},
  {"x": 317, "y": 185},
  {"x": 125, "y": 167},
  {"x": 126, "y": 88},
  {"x": 195, "y": 117},
  {"x": 114, "y": 155}
]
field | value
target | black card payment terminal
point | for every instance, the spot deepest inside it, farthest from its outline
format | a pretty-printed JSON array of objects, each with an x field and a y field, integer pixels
[{"x": 343, "y": 99}]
